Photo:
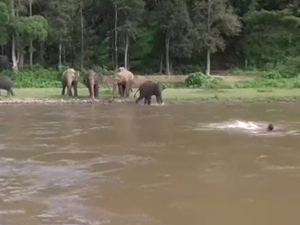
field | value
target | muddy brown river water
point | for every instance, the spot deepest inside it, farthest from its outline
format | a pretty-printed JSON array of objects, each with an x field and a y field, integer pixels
[{"x": 149, "y": 165}]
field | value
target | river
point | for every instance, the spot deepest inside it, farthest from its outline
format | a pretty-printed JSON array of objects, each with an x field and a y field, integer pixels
[{"x": 128, "y": 164}]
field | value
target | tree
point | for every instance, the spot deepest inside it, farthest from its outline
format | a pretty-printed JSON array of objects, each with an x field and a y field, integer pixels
[
  {"x": 4, "y": 22},
  {"x": 213, "y": 19},
  {"x": 130, "y": 16},
  {"x": 271, "y": 37},
  {"x": 174, "y": 22}
]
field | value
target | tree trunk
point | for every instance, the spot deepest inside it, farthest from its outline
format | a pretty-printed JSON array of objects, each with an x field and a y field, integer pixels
[
  {"x": 126, "y": 51},
  {"x": 112, "y": 52},
  {"x": 161, "y": 64},
  {"x": 42, "y": 49},
  {"x": 59, "y": 55},
  {"x": 30, "y": 44},
  {"x": 82, "y": 38},
  {"x": 208, "y": 32},
  {"x": 167, "y": 55},
  {"x": 64, "y": 60},
  {"x": 13, "y": 55},
  {"x": 116, "y": 38},
  {"x": 13, "y": 43},
  {"x": 20, "y": 58},
  {"x": 208, "y": 63}
]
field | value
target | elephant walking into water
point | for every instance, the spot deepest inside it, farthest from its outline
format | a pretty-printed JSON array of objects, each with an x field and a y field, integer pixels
[
  {"x": 70, "y": 79},
  {"x": 123, "y": 81},
  {"x": 92, "y": 81},
  {"x": 149, "y": 88},
  {"x": 7, "y": 84}
]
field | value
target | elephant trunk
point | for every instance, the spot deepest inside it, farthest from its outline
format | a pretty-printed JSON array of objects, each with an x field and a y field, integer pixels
[{"x": 92, "y": 82}]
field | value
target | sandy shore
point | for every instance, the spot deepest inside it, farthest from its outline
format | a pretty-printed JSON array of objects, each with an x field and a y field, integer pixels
[{"x": 62, "y": 101}]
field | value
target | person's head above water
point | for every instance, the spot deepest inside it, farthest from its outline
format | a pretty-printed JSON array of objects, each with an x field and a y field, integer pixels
[{"x": 270, "y": 127}]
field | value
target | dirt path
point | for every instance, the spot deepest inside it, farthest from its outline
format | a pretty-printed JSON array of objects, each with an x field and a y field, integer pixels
[{"x": 181, "y": 78}]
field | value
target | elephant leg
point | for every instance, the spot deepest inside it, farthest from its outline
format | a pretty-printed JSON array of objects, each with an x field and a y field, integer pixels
[
  {"x": 89, "y": 90},
  {"x": 7, "y": 93},
  {"x": 96, "y": 88},
  {"x": 92, "y": 87},
  {"x": 75, "y": 89},
  {"x": 158, "y": 98},
  {"x": 69, "y": 90},
  {"x": 63, "y": 89},
  {"x": 126, "y": 89},
  {"x": 149, "y": 100},
  {"x": 12, "y": 92},
  {"x": 120, "y": 89}
]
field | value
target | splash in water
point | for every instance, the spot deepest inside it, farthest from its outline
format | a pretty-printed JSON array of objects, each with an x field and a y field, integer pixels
[{"x": 257, "y": 128}]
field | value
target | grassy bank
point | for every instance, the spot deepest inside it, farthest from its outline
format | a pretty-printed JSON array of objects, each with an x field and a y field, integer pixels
[{"x": 173, "y": 95}]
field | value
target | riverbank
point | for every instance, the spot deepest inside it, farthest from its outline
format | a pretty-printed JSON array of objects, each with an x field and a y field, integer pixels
[{"x": 52, "y": 96}]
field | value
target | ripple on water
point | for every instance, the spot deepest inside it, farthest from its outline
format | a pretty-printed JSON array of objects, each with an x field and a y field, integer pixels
[
  {"x": 26, "y": 178},
  {"x": 250, "y": 127},
  {"x": 71, "y": 209}
]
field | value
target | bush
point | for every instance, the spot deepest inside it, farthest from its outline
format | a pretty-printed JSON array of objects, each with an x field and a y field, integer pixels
[
  {"x": 272, "y": 75},
  {"x": 196, "y": 80},
  {"x": 269, "y": 83},
  {"x": 36, "y": 77},
  {"x": 102, "y": 71},
  {"x": 291, "y": 68},
  {"x": 217, "y": 83},
  {"x": 249, "y": 72}
]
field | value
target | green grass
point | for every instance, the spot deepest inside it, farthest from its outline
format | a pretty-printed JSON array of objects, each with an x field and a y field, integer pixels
[{"x": 175, "y": 95}]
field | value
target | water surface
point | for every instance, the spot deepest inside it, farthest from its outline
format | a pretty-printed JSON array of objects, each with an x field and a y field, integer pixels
[{"x": 170, "y": 165}]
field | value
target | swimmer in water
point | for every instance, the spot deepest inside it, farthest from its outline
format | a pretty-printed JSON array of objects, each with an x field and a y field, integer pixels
[{"x": 270, "y": 127}]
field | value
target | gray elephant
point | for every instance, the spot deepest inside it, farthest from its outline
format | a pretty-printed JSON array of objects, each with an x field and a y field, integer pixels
[
  {"x": 149, "y": 88},
  {"x": 70, "y": 79},
  {"x": 7, "y": 84},
  {"x": 123, "y": 80},
  {"x": 92, "y": 81}
]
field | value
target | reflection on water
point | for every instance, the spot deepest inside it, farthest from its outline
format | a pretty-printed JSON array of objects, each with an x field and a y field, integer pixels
[{"x": 131, "y": 164}]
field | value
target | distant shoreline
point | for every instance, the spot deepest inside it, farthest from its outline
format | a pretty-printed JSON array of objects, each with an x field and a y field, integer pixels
[{"x": 47, "y": 96}]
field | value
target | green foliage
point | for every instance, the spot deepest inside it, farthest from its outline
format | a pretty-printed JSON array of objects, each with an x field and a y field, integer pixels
[
  {"x": 35, "y": 27},
  {"x": 272, "y": 75},
  {"x": 267, "y": 40},
  {"x": 217, "y": 83},
  {"x": 270, "y": 37},
  {"x": 4, "y": 21},
  {"x": 36, "y": 77},
  {"x": 249, "y": 72},
  {"x": 196, "y": 80},
  {"x": 213, "y": 20},
  {"x": 269, "y": 83}
]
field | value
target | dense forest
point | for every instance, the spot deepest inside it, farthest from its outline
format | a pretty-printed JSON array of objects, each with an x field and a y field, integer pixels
[{"x": 150, "y": 36}]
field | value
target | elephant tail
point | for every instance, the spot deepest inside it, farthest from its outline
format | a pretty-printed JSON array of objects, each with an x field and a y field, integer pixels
[{"x": 136, "y": 92}]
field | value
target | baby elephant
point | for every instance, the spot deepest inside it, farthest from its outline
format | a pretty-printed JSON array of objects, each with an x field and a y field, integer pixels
[
  {"x": 7, "y": 84},
  {"x": 149, "y": 88}
]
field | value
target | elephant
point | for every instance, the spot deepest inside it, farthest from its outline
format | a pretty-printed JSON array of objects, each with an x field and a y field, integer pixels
[
  {"x": 7, "y": 84},
  {"x": 123, "y": 80},
  {"x": 70, "y": 79},
  {"x": 149, "y": 88},
  {"x": 92, "y": 81}
]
